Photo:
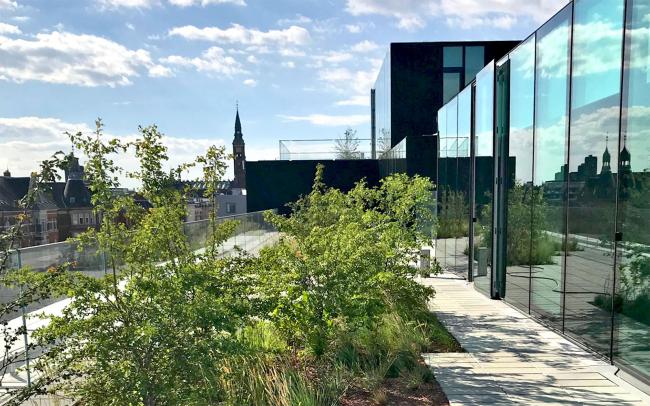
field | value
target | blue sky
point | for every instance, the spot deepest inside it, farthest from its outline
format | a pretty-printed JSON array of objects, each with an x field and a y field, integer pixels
[{"x": 300, "y": 69}]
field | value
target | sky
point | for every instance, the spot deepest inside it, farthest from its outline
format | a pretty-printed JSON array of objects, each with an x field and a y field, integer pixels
[{"x": 299, "y": 69}]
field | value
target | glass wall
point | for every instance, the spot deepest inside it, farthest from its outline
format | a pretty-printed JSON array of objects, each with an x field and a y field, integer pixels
[
  {"x": 483, "y": 175},
  {"x": 632, "y": 300},
  {"x": 549, "y": 180},
  {"x": 518, "y": 263},
  {"x": 595, "y": 116},
  {"x": 577, "y": 235}
]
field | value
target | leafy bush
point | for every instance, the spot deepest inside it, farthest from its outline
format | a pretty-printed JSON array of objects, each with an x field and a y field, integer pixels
[{"x": 333, "y": 304}]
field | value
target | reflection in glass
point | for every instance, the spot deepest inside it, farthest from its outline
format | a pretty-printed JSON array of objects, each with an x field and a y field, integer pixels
[
  {"x": 549, "y": 182},
  {"x": 450, "y": 85},
  {"x": 632, "y": 301},
  {"x": 595, "y": 109},
  {"x": 474, "y": 62},
  {"x": 484, "y": 175},
  {"x": 382, "y": 108},
  {"x": 520, "y": 171},
  {"x": 441, "y": 187},
  {"x": 452, "y": 57}
]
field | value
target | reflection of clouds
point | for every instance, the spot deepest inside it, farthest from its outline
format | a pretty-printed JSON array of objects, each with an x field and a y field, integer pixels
[
  {"x": 550, "y": 150},
  {"x": 552, "y": 52},
  {"x": 597, "y": 48},
  {"x": 523, "y": 58},
  {"x": 521, "y": 147},
  {"x": 588, "y": 137}
]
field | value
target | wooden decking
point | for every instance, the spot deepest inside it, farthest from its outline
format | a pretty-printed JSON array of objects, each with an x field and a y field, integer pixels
[{"x": 512, "y": 359}]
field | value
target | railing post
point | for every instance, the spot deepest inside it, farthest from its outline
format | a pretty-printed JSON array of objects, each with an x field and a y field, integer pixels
[{"x": 24, "y": 319}]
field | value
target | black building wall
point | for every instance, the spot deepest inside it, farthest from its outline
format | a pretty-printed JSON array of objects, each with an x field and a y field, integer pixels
[
  {"x": 273, "y": 184},
  {"x": 416, "y": 83}
]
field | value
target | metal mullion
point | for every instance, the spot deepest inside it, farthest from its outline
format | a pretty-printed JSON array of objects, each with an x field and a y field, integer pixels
[
  {"x": 618, "y": 174},
  {"x": 567, "y": 161}
]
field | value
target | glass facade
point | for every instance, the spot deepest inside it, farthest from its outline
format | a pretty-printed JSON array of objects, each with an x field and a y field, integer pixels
[
  {"x": 576, "y": 229},
  {"x": 460, "y": 65},
  {"x": 382, "y": 108}
]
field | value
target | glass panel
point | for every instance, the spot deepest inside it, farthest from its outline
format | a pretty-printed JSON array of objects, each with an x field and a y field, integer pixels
[
  {"x": 441, "y": 243},
  {"x": 484, "y": 175},
  {"x": 632, "y": 304},
  {"x": 451, "y": 204},
  {"x": 383, "y": 108},
  {"x": 595, "y": 109},
  {"x": 452, "y": 57},
  {"x": 474, "y": 62},
  {"x": 520, "y": 176},
  {"x": 450, "y": 86},
  {"x": 462, "y": 181},
  {"x": 551, "y": 108}
]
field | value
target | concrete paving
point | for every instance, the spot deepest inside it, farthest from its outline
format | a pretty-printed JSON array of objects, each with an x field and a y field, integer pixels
[{"x": 511, "y": 359}]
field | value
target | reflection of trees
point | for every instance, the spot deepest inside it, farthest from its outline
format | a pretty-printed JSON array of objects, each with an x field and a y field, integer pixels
[
  {"x": 633, "y": 296},
  {"x": 453, "y": 214}
]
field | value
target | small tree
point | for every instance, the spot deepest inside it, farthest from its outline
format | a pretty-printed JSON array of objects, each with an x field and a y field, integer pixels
[
  {"x": 347, "y": 147},
  {"x": 154, "y": 330}
]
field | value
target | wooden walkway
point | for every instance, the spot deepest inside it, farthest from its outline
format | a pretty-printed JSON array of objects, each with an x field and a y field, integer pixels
[{"x": 512, "y": 359}]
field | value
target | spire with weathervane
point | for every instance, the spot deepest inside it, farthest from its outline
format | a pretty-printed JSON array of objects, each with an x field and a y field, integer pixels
[{"x": 239, "y": 154}]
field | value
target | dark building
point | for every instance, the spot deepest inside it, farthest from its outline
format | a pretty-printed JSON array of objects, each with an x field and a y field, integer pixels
[
  {"x": 417, "y": 78},
  {"x": 273, "y": 184}
]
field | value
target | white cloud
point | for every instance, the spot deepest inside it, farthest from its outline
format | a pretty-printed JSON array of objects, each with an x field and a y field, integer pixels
[
  {"x": 333, "y": 57},
  {"x": 204, "y": 3},
  {"x": 213, "y": 60},
  {"x": 329, "y": 120},
  {"x": 5, "y": 4},
  {"x": 250, "y": 82},
  {"x": 33, "y": 139},
  {"x": 252, "y": 59},
  {"x": 238, "y": 34},
  {"x": 359, "y": 100},
  {"x": 364, "y": 46},
  {"x": 65, "y": 58},
  {"x": 130, "y": 26},
  {"x": 21, "y": 19},
  {"x": 353, "y": 28},
  {"x": 142, "y": 4},
  {"x": 289, "y": 64},
  {"x": 159, "y": 71},
  {"x": 9, "y": 29},
  {"x": 413, "y": 14},
  {"x": 298, "y": 19},
  {"x": 291, "y": 53},
  {"x": 112, "y": 4}
]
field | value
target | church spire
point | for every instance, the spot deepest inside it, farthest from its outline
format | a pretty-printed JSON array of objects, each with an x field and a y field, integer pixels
[
  {"x": 239, "y": 154},
  {"x": 239, "y": 137}
]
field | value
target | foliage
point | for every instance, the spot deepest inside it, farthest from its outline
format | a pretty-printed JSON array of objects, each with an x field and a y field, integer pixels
[
  {"x": 347, "y": 147},
  {"x": 152, "y": 331},
  {"x": 453, "y": 214},
  {"x": 333, "y": 304},
  {"x": 345, "y": 259},
  {"x": 26, "y": 287}
]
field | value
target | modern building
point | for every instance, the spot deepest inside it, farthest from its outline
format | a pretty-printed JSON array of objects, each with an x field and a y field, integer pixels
[
  {"x": 417, "y": 78},
  {"x": 414, "y": 81},
  {"x": 554, "y": 141}
]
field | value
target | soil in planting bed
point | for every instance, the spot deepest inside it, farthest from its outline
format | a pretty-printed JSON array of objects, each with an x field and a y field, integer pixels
[{"x": 395, "y": 391}]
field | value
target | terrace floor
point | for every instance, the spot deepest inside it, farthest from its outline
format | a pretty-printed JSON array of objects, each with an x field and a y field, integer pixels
[{"x": 512, "y": 359}]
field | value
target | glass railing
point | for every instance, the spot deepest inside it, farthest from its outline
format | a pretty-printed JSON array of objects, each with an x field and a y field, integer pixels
[
  {"x": 252, "y": 233},
  {"x": 353, "y": 148}
]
